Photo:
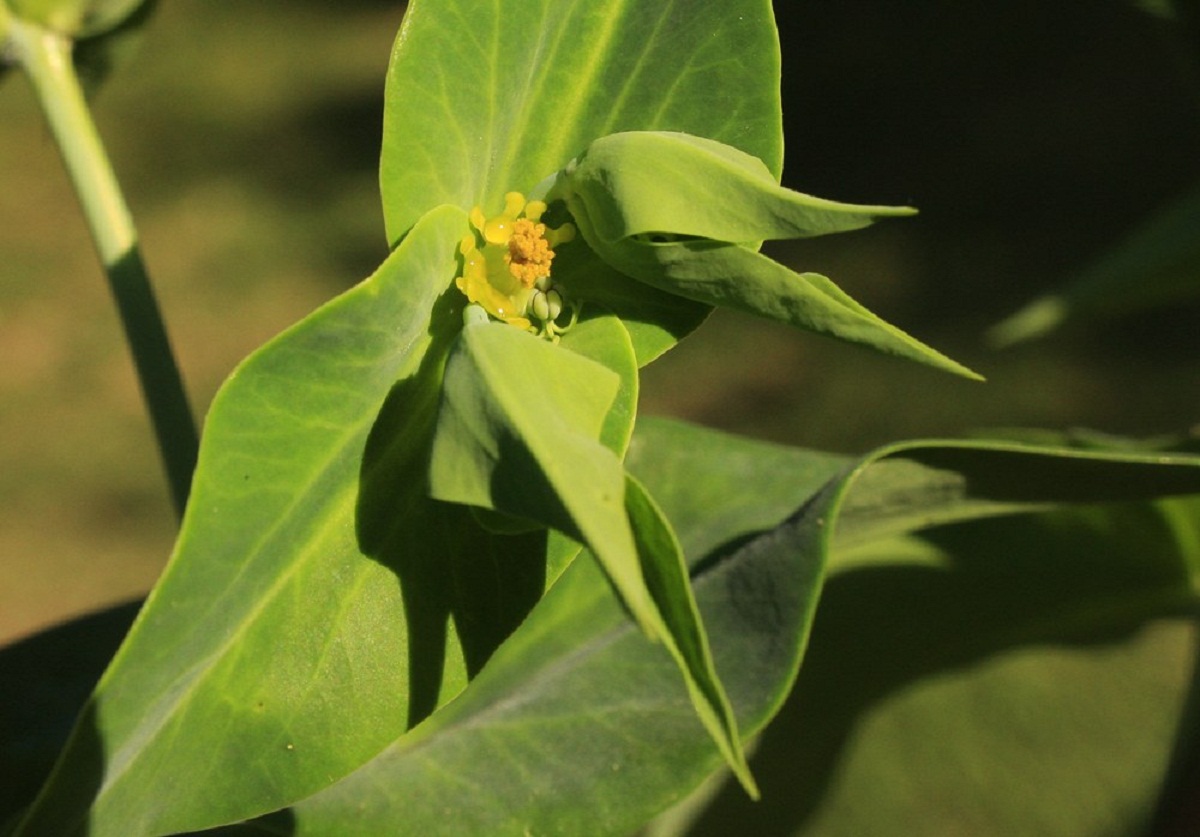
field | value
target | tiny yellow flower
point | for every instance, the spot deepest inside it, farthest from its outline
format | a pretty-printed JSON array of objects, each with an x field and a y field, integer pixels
[{"x": 506, "y": 262}]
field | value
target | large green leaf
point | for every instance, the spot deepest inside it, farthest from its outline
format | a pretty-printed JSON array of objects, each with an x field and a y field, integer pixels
[
  {"x": 483, "y": 99},
  {"x": 318, "y": 602},
  {"x": 578, "y": 725},
  {"x": 1016, "y": 676}
]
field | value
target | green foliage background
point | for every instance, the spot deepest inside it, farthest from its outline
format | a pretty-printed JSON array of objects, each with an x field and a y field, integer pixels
[
  {"x": 250, "y": 162},
  {"x": 1029, "y": 136}
]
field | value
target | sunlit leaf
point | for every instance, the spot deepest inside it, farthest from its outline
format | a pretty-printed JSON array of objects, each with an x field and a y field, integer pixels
[
  {"x": 305, "y": 618},
  {"x": 483, "y": 99},
  {"x": 686, "y": 214},
  {"x": 640, "y": 183}
]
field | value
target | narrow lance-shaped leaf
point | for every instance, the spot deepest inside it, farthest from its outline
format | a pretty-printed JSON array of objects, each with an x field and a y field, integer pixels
[
  {"x": 1156, "y": 265},
  {"x": 519, "y": 432},
  {"x": 657, "y": 182},
  {"x": 666, "y": 577},
  {"x": 686, "y": 214}
]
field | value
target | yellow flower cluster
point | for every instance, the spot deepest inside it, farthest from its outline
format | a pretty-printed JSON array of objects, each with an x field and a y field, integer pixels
[{"x": 506, "y": 264}]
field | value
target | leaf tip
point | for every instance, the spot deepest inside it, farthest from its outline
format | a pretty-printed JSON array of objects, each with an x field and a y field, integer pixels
[
  {"x": 1035, "y": 320},
  {"x": 746, "y": 780}
]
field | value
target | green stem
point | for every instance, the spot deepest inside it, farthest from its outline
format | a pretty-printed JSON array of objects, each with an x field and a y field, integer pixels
[{"x": 46, "y": 59}]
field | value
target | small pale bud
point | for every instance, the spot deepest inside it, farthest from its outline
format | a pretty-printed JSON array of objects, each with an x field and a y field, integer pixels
[
  {"x": 554, "y": 304},
  {"x": 539, "y": 305}
]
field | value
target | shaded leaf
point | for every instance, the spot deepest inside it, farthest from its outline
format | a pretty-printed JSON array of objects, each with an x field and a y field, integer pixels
[
  {"x": 1156, "y": 265},
  {"x": 994, "y": 677},
  {"x": 577, "y": 725},
  {"x": 666, "y": 579},
  {"x": 44, "y": 680},
  {"x": 519, "y": 432}
]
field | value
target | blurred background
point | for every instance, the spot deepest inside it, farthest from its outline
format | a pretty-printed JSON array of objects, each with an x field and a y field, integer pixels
[{"x": 1032, "y": 137}]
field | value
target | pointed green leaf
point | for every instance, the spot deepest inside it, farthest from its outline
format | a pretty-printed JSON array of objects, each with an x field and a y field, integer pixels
[
  {"x": 652, "y": 182},
  {"x": 685, "y": 215},
  {"x": 737, "y": 277},
  {"x": 665, "y": 572},
  {"x": 518, "y": 432},
  {"x": 1158, "y": 264}
]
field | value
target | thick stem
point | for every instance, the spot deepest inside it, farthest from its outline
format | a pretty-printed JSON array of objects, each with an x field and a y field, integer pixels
[{"x": 46, "y": 59}]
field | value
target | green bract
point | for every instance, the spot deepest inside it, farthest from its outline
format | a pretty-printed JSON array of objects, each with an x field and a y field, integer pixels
[
  {"x": 686, "y": 214},
  {"x": 538, "y": 431}
]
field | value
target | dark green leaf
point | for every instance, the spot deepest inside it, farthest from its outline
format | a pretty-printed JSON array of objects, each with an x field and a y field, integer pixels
[
  {"x": 1157, "y": 265},
  {"x": 996, "y": 677},
  {"x": 44, "y": 680}
]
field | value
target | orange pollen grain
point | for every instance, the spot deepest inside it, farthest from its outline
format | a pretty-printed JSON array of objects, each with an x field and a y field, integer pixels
[{"x": 529, "y": 254}]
